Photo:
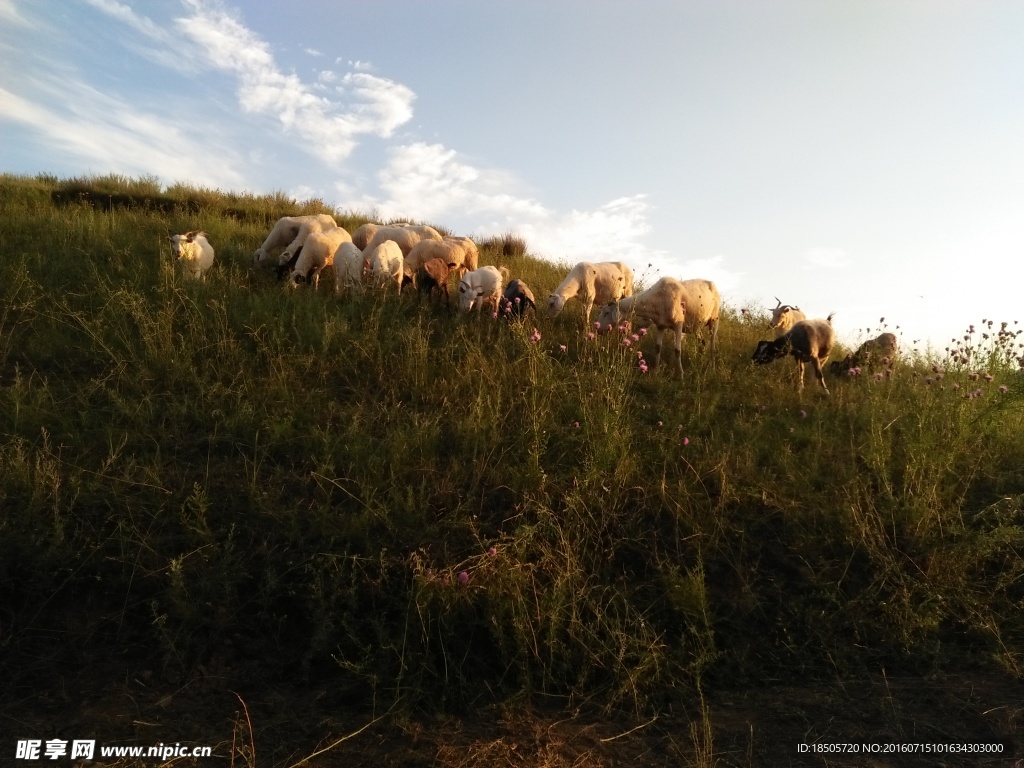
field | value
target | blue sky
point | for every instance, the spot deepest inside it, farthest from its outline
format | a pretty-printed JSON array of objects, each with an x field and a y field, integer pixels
[{"x": 858, "y": 157}]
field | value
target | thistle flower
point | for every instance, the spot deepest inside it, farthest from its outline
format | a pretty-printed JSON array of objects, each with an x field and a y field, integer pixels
[
  {"x": 493, "y": 552},
  {"x": 563, "y": 347},
  {"x": 463, "y": 578},
  {"x": 627, "y": 342},
  {"x": 686, "y": 441},
  {"x": 1003, "y": 389},
  {"x": 643, "y": 331},
  {"x": 535, "y": 336},
  {"x": 591, "y": 336}
]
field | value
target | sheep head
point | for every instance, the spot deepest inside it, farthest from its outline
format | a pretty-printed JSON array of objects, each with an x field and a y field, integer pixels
[
  {"x": 555, "y": 304},
  {"x": 767, "y": 351}
]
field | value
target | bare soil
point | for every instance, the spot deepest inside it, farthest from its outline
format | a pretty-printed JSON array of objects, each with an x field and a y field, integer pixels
[{"x": 250, "y": 721}]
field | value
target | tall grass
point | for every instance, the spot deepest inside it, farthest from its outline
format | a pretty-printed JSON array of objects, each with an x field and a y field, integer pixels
[{"x": 449, "y": 511}]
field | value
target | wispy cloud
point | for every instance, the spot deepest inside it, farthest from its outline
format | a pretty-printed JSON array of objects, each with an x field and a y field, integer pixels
[
  {"x": 330, "y": 127},
  {"x": 10, "y": 15},
  {"x": 119, "y": 137}
]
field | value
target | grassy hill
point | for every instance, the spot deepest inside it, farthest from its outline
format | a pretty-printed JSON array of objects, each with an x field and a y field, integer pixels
[{"x": 232, "y": 485}]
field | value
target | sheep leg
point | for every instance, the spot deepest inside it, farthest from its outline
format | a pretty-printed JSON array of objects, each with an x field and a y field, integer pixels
[
  {"x": 820, "y": 374},
  {"x": 657, "y": 347},
  {"x": 679, "y": 350},
  {"x": 714, "y": 341},
  {"x": 800, "y": 381}
]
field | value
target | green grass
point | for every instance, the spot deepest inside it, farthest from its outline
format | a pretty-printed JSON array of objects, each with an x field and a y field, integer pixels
[{"x": 192, "y": 470}]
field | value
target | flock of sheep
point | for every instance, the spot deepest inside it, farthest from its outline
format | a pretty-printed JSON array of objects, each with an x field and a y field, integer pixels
[{"x": 399, "y": 254}]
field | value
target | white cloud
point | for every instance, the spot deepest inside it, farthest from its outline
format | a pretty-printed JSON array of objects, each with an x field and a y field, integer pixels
[
  {"x": 312, "y": 51},
  {"x": 827, "y": 258},
  {"x": 430, "y": 182}
]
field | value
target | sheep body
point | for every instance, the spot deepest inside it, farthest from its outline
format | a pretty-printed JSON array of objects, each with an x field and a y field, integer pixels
[
  {"x": 194, "y": 252},
  {"x": 317, "y": 252},
  {"x": 404, "y": 236},
  {"x": 517, "y": 297},
  {"x": 599, "y": 282},
  {"x": 481, "y": 286},
  {"x": 349, "y": 266},
  {"x": 883, "y": 346},
  {"x": 434, "y": 275},
  {"x": 674, "y": 305},
  {"x": 458, "y": 250},
  {"x": 808, "y": 341},
  {"x": 387, "y": 264},
  {"x": 290, "y": 232},
  {"x": 784, "y": 317}
]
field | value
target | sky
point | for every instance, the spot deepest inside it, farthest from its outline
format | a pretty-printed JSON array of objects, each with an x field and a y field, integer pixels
[{"x": 861, "y": 157}]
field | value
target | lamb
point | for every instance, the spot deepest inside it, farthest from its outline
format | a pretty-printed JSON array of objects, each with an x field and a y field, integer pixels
[
  {"x": 460, "y": 250},
  {"x": 434, "y": 274},
  {"x": 481, "y": 286},
  {"x": 405, "y": 236},
  {"x": 289, "y": 231},
  {"x": 601, "y": 282},
  {"x": 882, "y": 348},
  {"x": 387, "y": 264},
  {"x": 808, "y": 341},
  {"x": 785, "y": 317},
  {"x": 517, "y": 298},
  {"x": 317, "y": 252},
  {"x": 349, "y": 266},
  {"x": 194, "y": 252},
  {"x": 671, "y": 305}
]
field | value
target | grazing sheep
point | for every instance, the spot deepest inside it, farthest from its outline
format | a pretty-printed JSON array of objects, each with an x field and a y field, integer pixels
[
  {"x": 289, "y": 231},
  {"x": 434, "y": 274},
  {"x": 481, "y": 286},
  {"x": 808, "y": 341},
  {"x": 362, "y": 236},
  {"x": 194, "y": 252},
  {"x": 881, "y": 348},
  {"x": 405, "y": 236},
  {"x": 670, "y": 305},
  {"x": 601, "y": 283},
  {"x": 290, "y": 255},
  {"x": 387, "y": 264},
  {"x": 316, "y": 253},
  {"x": 785, "y": 317},
  {"x": 460, "y": 250},
  {"x": 517, "y": 298},
  {"x": 349, "y": 267}
]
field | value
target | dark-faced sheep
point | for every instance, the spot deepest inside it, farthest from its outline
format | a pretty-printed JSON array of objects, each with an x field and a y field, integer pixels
[{"x": 808, "y": 341}]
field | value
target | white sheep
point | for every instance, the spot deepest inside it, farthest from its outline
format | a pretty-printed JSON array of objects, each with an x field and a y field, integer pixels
[
  {"x": 290, "y": 232},
  {"x": 317, "y": 252},
  {"x": 460, "y": 251},
  {"x": 785, "y": 317},
  {"x": 808, "y": 341},
  {"x": 481, "y": 286},
  {"x": 405, "y": 236},
  {"x": 364, "y": 234},
  {"x": 674, "y": 305},
  {"x": 349, "y": 267},
  {"x": 599, "y": 282},
  {"x": 290, "y": 255},
  {"x": 194, "y": 252},
  {"x": 386, "y": 264}
]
